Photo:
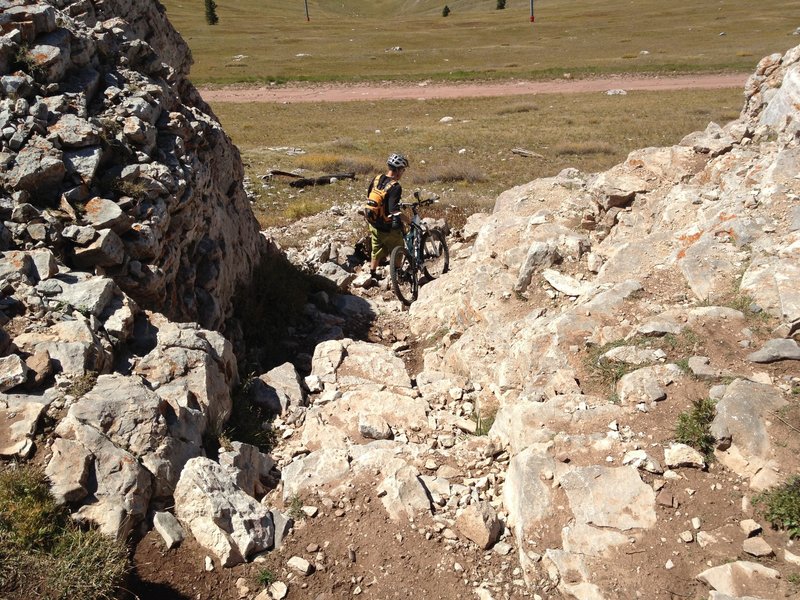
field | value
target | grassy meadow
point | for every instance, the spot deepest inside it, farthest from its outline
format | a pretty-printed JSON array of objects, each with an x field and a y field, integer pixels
[
  {"x": 467, "y": 161},
  {"x": 349, "y": 40}
]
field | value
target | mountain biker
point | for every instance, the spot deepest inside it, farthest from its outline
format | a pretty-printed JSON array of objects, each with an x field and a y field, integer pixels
[{"x": 386, "y": 233}]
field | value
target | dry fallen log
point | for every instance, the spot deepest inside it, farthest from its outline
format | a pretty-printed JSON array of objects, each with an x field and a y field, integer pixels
[
  {"x": 325, "y": 179},
  {"x": 275, "y": 172},
  {"x": 526, "y": 153}
]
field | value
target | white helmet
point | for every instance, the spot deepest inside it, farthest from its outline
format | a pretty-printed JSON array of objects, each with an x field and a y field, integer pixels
[{"x": 397, "y": 161}]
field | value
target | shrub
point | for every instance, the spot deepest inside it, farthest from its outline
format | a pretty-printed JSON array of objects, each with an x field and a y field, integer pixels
[
  {"x": 266, "y": 577},
  {"x": 484, "y": 422},
  {"x": 247, "y": 421},
  {"x": 296, "y": 508},
  {"x": 583, "y": 148},
  {"x": 28, "y": 512},
  {"x": 781, "y": 506},
  {"x": 517, "y": 108},
  {"x": 501, "y": 4},
  {"x": 445, "y": 10},
  {"x": 694, "y": 427},
  {"x": 211, "y": 12}
]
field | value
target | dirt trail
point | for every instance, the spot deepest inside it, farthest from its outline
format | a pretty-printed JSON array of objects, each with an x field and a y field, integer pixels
[{"x": 390, "y": 91}]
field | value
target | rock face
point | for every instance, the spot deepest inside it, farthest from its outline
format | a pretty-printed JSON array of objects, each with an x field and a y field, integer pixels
[
  {"x": 119, "y": 192},
  {"x": 102, "y": 131}
]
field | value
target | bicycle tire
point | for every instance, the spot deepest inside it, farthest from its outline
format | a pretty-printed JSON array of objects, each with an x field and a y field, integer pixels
[
  {"x": 403, "y": 275},
  {"x": 435, "y": 254}
]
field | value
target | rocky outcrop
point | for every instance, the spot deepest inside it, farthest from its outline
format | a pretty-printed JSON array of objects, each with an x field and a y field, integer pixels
[
  {"x": 119, "y": 195},
  {"x": 111, "y": 159},
  {"x": 619, "y": 276}
]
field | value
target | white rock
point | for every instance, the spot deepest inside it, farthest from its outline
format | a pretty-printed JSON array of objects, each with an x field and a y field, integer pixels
[{"x": 299, "y": 564}]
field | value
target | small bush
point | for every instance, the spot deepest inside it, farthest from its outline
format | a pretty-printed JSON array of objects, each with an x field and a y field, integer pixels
[
  {"x": 135, "y": 189},
  {"x": 82, "y": 385},
  {"x": 501, "y": 4},
  {"x": 28, "y": 512},
  {"x": 266, "y": 577},
  {"x": 583, "y": 148},
  {"x": 445, "y": 10},
  {"x": 296, "y": 508},
  {"x": 694, "y": 427},
  {"x": 517, "y": 108},
  {"x": 484, "y": 423},
  {"x": 609, "y": 372},
  {"x": 781, "y": 506},
  {"x": 211, "y": 12}
]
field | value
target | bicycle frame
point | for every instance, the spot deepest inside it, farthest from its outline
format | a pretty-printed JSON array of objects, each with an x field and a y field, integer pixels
[
  {"x": 413, "y": 238},
  {"x": 407, "y": 263},
  {"x": 416, "y": 230}
]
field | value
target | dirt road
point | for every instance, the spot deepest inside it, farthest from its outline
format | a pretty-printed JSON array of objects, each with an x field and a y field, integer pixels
[{"x": 346, "y": 93}]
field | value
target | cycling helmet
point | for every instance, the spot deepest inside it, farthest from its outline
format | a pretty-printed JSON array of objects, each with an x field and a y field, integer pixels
[{"x": 397, "y": 161}]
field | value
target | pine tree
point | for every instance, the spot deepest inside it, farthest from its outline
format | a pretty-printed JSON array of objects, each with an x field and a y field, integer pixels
[
  {"x": 446, "y": 10},
  {"x": 211, "y": 12}
]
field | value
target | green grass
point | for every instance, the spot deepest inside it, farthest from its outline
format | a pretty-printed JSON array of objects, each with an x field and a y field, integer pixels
[
  {"x": 266, "y": 578},
  {"x": 591, "y": 132},
  {"x": 352, "y": 40},
  {"x": 43, "y": 554},
  {"x": 694, "y": 427},
  {"x": 296, "y": 508},
  {"x": 608, "y": 372},
  {"x": 781, "y": 506},
  {"x": 484, "y": 422}
]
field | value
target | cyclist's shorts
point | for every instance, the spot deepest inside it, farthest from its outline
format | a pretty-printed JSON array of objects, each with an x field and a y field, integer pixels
[{"x": 383, "y": 242}]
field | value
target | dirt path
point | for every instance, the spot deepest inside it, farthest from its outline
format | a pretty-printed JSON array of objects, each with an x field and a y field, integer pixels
[{"x": 347, "y": 93}]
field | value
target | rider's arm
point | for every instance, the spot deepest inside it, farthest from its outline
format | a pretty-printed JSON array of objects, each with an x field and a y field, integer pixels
[{"x": 393, "y": 208}]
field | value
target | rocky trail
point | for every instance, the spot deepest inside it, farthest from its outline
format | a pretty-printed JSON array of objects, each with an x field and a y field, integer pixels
[{"x": 531, "y": 427}]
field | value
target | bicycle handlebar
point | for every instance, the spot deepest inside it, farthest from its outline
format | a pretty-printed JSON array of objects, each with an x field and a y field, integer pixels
[{"x": 419, "y": 201}]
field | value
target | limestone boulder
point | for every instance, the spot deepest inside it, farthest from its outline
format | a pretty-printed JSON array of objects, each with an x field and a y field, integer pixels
[{"x": 224, "y": 519}]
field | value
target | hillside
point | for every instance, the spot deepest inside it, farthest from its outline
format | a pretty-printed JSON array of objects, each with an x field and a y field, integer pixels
[{"x": 587, "y": 405}]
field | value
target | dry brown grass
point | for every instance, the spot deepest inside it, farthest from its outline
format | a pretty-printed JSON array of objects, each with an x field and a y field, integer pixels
[
  {"x": 347, "y": 40},
  {"x": 590, "y": 132}
]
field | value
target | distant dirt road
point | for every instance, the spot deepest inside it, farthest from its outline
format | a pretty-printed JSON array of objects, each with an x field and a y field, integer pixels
[{"x": 389, "y": 91}]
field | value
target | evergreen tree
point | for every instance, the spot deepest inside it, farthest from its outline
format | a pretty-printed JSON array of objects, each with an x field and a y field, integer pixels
[
  {"x": 501, "y": 4},
  {"x": 211, "y": 12},
  {"x": 446, "y": 10}
]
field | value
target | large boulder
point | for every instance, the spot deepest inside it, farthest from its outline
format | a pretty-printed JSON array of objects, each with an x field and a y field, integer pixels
[{"x": 220, "y": 515}]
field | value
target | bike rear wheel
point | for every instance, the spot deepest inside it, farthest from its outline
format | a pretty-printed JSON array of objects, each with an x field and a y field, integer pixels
[
  {"x": 436, "y": 257},
  {"x": 403, "y": 275}
]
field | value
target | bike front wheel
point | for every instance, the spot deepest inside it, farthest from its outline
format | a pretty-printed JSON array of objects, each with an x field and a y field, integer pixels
[
  {"x": 403, "y": 275},
  {"x": 435, "y": 255}
]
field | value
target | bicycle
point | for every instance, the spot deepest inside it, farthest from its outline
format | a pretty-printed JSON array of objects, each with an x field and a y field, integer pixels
[{"x": 424, "y": 255}]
